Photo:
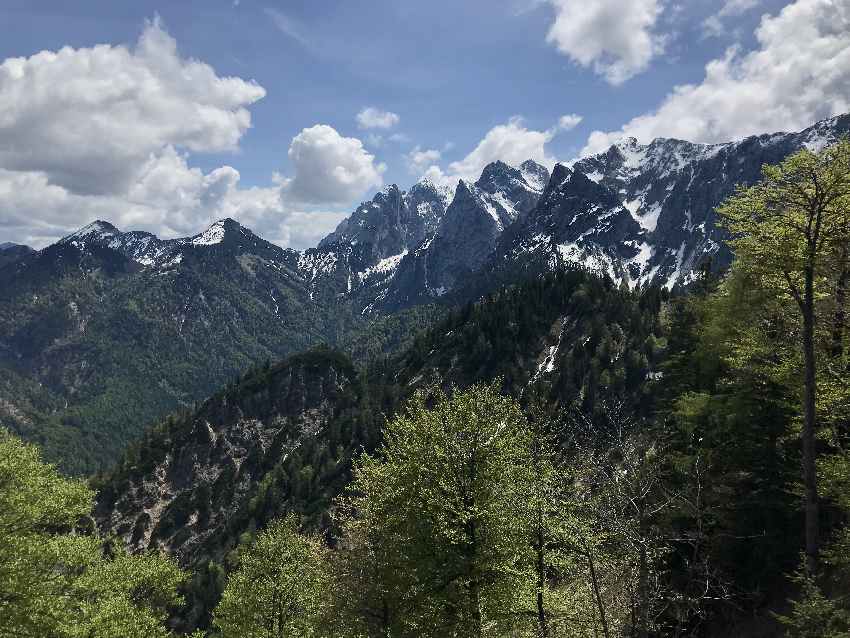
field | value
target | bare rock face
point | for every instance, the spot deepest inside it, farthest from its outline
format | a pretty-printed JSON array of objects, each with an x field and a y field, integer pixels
[
  {"x": 356, "y": 259},
  {"x": 200, "y": 469},
  {"x": 466, "y": 236},
  {"x": 672, "y": 188},
  {"x": 639, "y": 213}
]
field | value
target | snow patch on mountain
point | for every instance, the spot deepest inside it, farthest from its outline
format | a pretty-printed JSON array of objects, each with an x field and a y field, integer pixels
[
  {"x": 211, "y": 236},
  {"x": 383, "y": 267}
]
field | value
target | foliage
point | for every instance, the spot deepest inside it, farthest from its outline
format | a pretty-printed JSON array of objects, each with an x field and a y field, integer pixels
[
  {"x": 451, "y": 486},
  {"x": 278, "y": 589},
  {"x": 58, "y": 579},
  {"x": 791, "y": 233}
]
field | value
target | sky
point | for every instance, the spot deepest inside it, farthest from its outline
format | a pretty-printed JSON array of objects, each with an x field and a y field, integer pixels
[{"x": 284, "y": 115}]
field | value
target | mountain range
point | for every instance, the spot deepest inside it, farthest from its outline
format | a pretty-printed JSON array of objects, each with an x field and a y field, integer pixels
[{"x": 105, "y": 331}]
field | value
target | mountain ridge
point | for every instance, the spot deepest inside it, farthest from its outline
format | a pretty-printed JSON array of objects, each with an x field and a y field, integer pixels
[
  {"x": 105, "y": 318},
  {"x": 393, "y": 250}
]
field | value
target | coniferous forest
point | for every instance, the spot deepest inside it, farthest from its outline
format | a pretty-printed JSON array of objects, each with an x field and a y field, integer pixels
[{"x": 561, "y": 457}]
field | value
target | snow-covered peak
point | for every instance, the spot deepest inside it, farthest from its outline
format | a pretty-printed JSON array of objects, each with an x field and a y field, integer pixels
[
  {"x": 213, "y": 235},
  {"x": 217, "y": 232},
  {"x": 97, "y": 230},
  {"x": 499, "y": 176},
  {"x": 534, "y": 174},
  {"x": 821, "y": 135},
  {"x": 149, "y": 250},
  {"x": 426, "y": 187}
]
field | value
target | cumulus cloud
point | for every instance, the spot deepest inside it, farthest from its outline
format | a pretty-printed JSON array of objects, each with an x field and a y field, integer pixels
[
  {"x": 172, "y": 199},
  {"x": 798, "y": 73},
  {"x": 330, "y": 168},
  {"x": 370, "y": 117},
  {"x": 512, "y": 143},
  {"x": 614, "y": 37},
  {"x": 108, "y": 132},
  {"x": 569, "y": 122},
  {"x": 88, "y": 118},
  {"x": 419, "y": 159},
  {"x": 169, "y": 198}
]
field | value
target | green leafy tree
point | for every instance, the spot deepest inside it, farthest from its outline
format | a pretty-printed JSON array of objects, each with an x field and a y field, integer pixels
[
  {"x": 451, "y": 491},
  {"x": 57, "y": 579},
  {"x": 786, "y": 231},
  {"x": 123, "y": 595},
  {"x": 278, "y": 589}
]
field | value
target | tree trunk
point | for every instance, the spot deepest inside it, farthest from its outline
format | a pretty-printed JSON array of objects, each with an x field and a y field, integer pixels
[
  {"x": 475, "y": 604},
  {"x": 810, "y": 478},
  {"x": 643, "y": 594},
  {"x": 598, "y": 596},
  {"x": 542, "y": 623},
  {"x": 839, "y": 319},
  {"x": 477, "y": 628}
]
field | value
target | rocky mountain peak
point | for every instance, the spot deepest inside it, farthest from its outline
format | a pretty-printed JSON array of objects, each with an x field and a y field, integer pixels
[
  {"x": 219, "y": 231},
  {"x": 463, "y": 190},
  {"x": 501, "y": 177},
  {"x": 97, "y": 231},
  {"x": 560, "y": 174},
  {"x": 390, "y": 192},
  {"x": 427, "y": 190},
  {"x": 496, "y": 173},
  {"x": 536, "y": 175}
]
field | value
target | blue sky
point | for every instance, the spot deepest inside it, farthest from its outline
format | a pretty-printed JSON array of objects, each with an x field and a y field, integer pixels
[{"x": 451, "y": 73}]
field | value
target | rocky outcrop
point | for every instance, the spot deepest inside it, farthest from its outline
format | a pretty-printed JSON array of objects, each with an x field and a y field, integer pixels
[
  {"x": 466, "y": 236},
  {"x": 193, "y": 474}
]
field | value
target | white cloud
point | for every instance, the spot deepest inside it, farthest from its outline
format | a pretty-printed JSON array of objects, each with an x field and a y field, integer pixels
[
  {"x": 798, "y": 74},
  {"x": 370, "y": 117},
  {"x": 418, "y": 160},
  {"x": 615, "y": 37},
  {"x": 88, "y": 118},
  {"x": 330, "y": 168},
  {"x": 512, "y": 143},
  {"x": 569, "y": 122},
  {"x": 107, "y": 132},
  {"x": 169, "y": 198},
  {"x": 713, "y": 25}
]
